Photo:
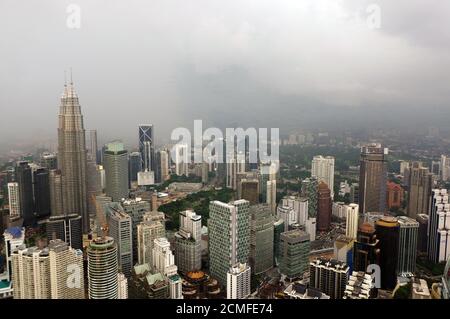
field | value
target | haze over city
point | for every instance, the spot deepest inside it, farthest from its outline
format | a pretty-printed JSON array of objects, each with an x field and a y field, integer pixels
[{"x": 285, "y": 64}]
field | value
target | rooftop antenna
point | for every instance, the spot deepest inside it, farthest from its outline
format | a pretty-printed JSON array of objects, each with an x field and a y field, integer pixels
[{"x": 65, "y": 78}]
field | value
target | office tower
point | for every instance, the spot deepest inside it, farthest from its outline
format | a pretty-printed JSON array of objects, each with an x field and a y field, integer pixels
[
  {"x": 25, "y": 181},
  {"x": 120, "y": 230},
  {"x": 354, "y": 193},
  {"x": 122, "y": 286},
  {"x": 91, "y": 146},
  {"x": 404, "y": 166},
  {"x": 14, "y": 238},
  {"x": 146, "y": 178},
  {"x": 232, "y": 173},
  {"x": 135, "y": 208},
  {"x": 420, "y": 185},
  {"x": 14, "y": 200},
  {"x": 72, "y": 156},
  {"x": 31, "y": 273},
  {"x": 229, "y": 236},
  {"x": 351, "y": 222},
  {"x": 135, "y": 166},
  {"x": 146, "y": 285},
  {"x": 278, "y": 229},
  {"x": 205, "y": 172},
  {"x": 394, "y": 195},
  {"x": 322, "y": 168},
  {"x": 435, "y": 168},
  {"x": 366, "y": 249},
  {"x": 66, "y": 227},
  {"x": 238, "y": 281},
  {"x": 248, "y": 186},
  {"x": 445, "y": 168},
  {"x": 271, "y": 198},
  {"x": 359, "y": 286},
  {"x": 329, "y": 276},
  {"x": 116, "y": 169},
  {"x": 261, "y": 239},
  {"x": 175, "y": 287},
  {"x": 339, "y": 210},
  {"x": 373, "y": 178},
  {"x": 181, "y": 159},
  {"x": 310, "y": 227},
  {"x": 288, "y": 215},
  {"x": 102, "y": 268},
  {"x": 294, "y": 253},
  {"x": 422, "y": 236},
  {"x": 157, "y": 172},
  {"x": 300, "y": 207},
  {"x": 49, "y": 161},
  {"x": 387, "y": 231},
  {"x": 148, "y": 230},
  {"x": 147, "y": 147},
  {"x": 309, "y": 190},
  {"x": 56, "y": 193},
  {"x": 323, "y": 207},
  {"x": 407, "y": 250},
  {"x": 343, "y": 250},
  {"x": 188, "y": 250},
  {"x": 164, "y": 163},
  {"x": 439, "y": 226},
  {"x": 41, "y": 190},
  {"x": 66, "y": 271},
  {"x": 94, "y": 185},
  {"x": 267, "y": 173}
]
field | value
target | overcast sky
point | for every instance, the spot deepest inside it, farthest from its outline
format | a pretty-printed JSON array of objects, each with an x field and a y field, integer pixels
[{"x": 260, "y": 63}]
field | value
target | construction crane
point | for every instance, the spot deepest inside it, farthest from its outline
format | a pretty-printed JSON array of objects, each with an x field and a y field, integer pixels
[{"x": 101, "y": 218}]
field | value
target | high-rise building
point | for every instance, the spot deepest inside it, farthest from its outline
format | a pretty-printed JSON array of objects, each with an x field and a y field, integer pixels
[
  {"x": 116, "y": 169},
  {"x": 72, "y": 156},
  {"x": 49, "y": 161},
  {"x": 351, "y": 220},
  {"x": 66, "y": 227},
  {"x": 56, "y": 193},
  {"x": 31, "y": 273},
  {"x": 147, "y": 146},
  {"x": 300, "y": 207},
  {"x": 14, "y": 200},
  {"x": 261, "y": 238},
  {"x": 135, "y": 166},
  {"x": 248, "y": 187},
  {"x": 25, "y": 181},
  {"x": 422, "y": 236},
  {"x": 359, "y": 286},
  {"x": 394, "y": 195},
  {"x": 122, "y": 286},
  {"x": 164, "y": 164},
  {"x": 445, "y": 168},
  {"x": 309, "y": 190},
  {"x": 310, "y": 227},
  {"x": 373, "y": 178},
  {"x": 41, "y": 191},
  {"x": 14, "y": 238},
  {"x": 288, "y": 215},
  {"x": 329, "y": 276},
  {"x": 238, "y": 281},
  {"x": 407, "y": 250},
  {"x": 148, "y": 230},
  {"x": 322, "y": 168},
  {"x": 94, "y": 183},
  {"x": 278, "y": 229},
  {"x": 271, "y": 197},
  {"x": 366, "y": 249},
  {"x": 66, "y": 271},
  {"x": 343, "y": 250},
  {"x": 135, "y": 208},
  {"x": 439, "y": 226},
  {"x": 120, "y": 230},
  {"x": 294, "y": 253},
  {"x": 387, "y": 231},
  {"x": 354, "y": 193},
  {"x": 188, "y": 250},
  {"x": 181, "y": 159},
  {"x": 420, "y": 184},
  {"x": 229, "y": 236},
  {"x": 323, "y": 207},
  {"x": 102, "y": 268}
]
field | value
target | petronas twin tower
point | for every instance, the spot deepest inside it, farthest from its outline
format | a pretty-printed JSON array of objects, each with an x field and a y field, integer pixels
[{"x": 72, "y": 156}]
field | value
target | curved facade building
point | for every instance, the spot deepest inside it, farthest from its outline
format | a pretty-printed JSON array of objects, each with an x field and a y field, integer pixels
[
  {"x": 102, "y": 269},
  {"x": 387, "y": 230}
]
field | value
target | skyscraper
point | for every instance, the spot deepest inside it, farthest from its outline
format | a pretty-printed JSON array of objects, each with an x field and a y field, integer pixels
[
  {"x": 420, "y": 185},
  {"x": 261, "y": 238},
  {"x": 49, "y": 160},
  {"x": 164, "y": 164},
  {"x": 116, "y": 169},
  {"x": 72, "y": 156},
  {"x": 407, "y": 250},
  {"x": 351, "y": 223},
  {"x": 147, "y": 147},
  {"x": 135, "y": 166},
  {"x": 181, "y": 159},
  {"x": 322, "y": 168},
  {"x": 14, "y": 200},
  {"x": 294, "y": 253},
  {"x": 188, "y": 250},
  {"x": 271, "y": 197},
  {"x": 323, "y": 207},
  {"x": 387, "y": 231},
  {"x": 238, "y": 281},
  {"x": 102, "y": 268},
  {"x": 309, "y": 190},
  {"x": 65, "y": 227},
  {"x": 373, "y": 178},
  {"x": 329, "y": 276},
  {"x": 148, "y": 230},
  {"x": 229, "y": 236},
  {"x": 439, "y": 226},
  {"x": 25, "y": 181},
  {"x": 41, "y": 190},
  {"x": 366, "y": 249}
]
